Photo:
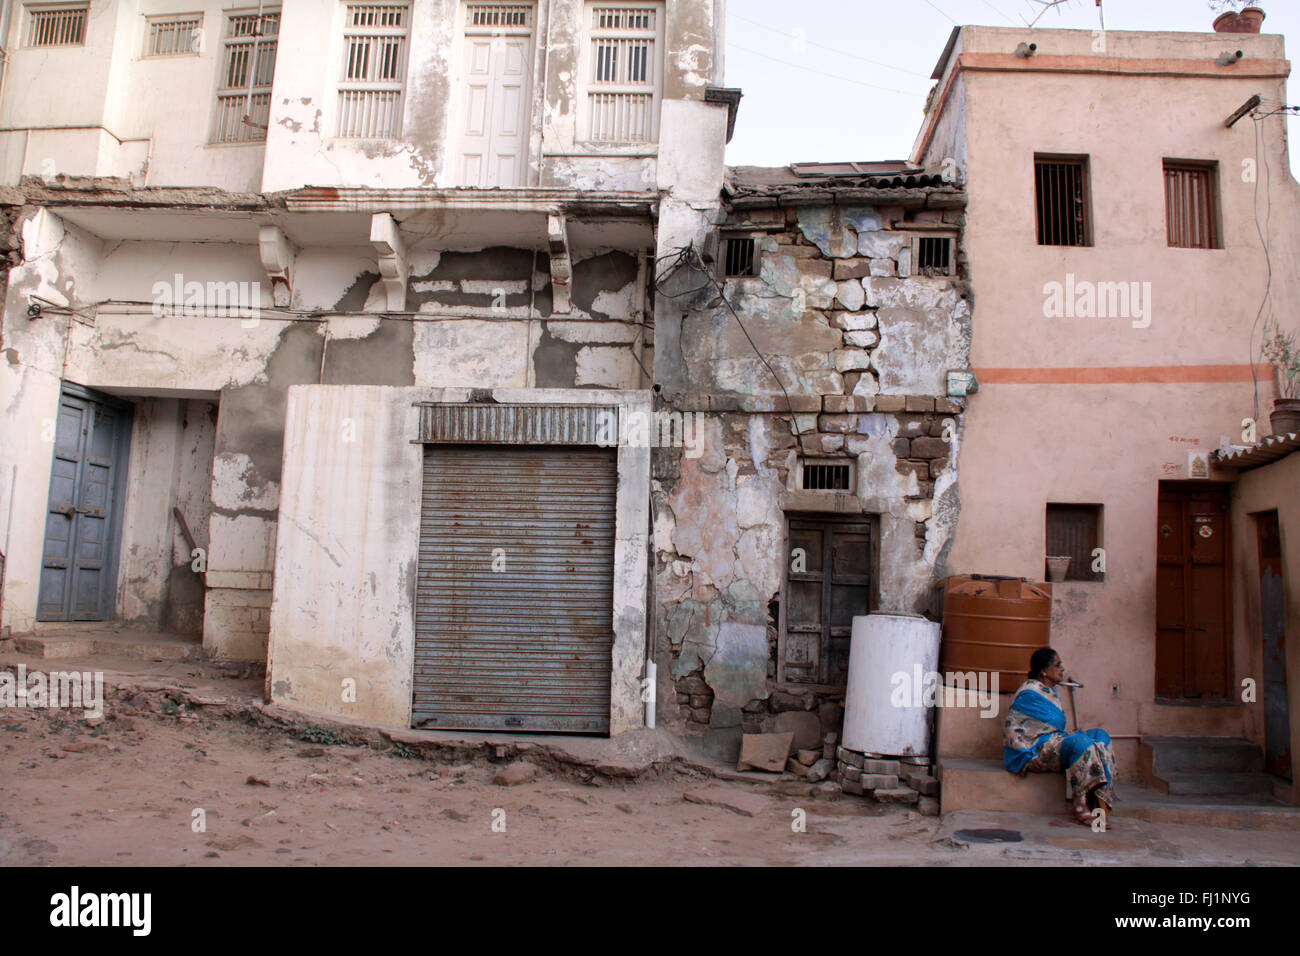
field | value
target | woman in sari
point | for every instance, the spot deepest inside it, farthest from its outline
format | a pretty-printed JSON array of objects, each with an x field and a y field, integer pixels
[{"x": 1035, "y": 740}]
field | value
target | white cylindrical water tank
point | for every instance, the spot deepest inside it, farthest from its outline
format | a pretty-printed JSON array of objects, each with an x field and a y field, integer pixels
[{"x": 884, "y": 708}]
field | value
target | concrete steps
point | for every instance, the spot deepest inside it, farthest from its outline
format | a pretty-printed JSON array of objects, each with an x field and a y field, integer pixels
[
  {"x": 1217, "y": 784},
  {"x": 1204, "y": 766},
  {"x": 1172, "y": 754},
  {"x": 972, "y": 784},
  {"x": 66, "y": 642}
]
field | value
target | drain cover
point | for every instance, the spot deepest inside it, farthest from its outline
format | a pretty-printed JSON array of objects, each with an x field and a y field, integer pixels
[{"x": 988, "y": 836}]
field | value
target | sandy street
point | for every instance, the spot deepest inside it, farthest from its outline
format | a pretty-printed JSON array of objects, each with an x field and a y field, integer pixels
[{"x": 127, "y": 792}]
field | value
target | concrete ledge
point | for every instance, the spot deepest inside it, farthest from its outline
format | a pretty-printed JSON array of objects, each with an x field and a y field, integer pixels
[
  {"x": 967, "y": 784},
  {"x": 135, "y": 645}
]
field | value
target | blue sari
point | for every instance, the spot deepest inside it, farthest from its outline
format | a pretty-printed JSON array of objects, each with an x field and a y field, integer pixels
[{"x": 1034, "y": 739}]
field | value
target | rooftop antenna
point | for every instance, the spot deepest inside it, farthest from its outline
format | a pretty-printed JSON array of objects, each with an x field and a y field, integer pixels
[{"x": 1046, "y": 5}]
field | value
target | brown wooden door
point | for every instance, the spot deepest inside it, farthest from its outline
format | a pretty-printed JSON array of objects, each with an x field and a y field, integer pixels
[
  {"x": 828, "y": 582},
  {"x": 1192, "y": 577}
]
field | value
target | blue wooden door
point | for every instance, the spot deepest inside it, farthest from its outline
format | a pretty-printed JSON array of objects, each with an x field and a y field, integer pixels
[{"x": 82, "y": 523}]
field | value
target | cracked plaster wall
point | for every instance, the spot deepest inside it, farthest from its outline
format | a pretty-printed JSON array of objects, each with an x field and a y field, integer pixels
[
  {"x": 862, "y": 347},
  {"x": 489, "y": 323}
]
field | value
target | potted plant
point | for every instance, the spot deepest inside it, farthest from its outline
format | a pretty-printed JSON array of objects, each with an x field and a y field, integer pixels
[
  {"x": 1282, "y": 350},
  {"x": 1238, "y": 16}
]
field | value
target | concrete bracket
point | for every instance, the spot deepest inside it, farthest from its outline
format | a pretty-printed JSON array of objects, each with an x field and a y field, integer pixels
[
  {"x": 557, "y": 234},
  {"x": 277, "y": 255},
  {"x": 393, "y": 267}
]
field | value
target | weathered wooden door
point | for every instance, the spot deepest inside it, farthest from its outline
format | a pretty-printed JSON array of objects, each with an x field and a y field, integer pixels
[
  {"x": 498, "y": 60},
  {"x": 83, "y": 523},
  {"x": 1192, "y": 579},
  {"x": 829, "y": 575},
  {"x": 1272, "y": 613}
]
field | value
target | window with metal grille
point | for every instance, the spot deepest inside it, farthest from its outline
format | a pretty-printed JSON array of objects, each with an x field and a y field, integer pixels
[
  {"x": 1192, "y": 204},
  {"x": 63, "y": 25},
  {"x": 499, "y": 15},
  {"x": 374, "y": 70},
  {"x": 827, "y": 476},
  {"x": 174, "y": 35},
  {"x": 247, "y": 71},
  {"x": 1074, "y": 531},
  {"x": 623, "y": 72},
  {"x": 1061, "y": 187},
  {"x": 934, "y": 255},
  {"x": 738, "y": 256}
]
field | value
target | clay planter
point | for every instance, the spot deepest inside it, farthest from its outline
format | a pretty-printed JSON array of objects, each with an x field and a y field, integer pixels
[
  {"x": 1248, "y": 20},
  {"x": 1285, "y": 417},
  {"x": 1057, "y": 567}
]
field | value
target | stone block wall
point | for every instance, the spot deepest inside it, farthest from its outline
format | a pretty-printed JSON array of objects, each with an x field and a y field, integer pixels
[{"x": 862, "y": 345}]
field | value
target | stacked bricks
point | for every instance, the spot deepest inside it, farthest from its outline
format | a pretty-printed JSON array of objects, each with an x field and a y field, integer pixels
[{"x": 905, "y": 780}]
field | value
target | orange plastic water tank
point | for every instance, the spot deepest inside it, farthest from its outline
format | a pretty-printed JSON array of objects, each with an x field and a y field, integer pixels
[{"x": 994, "y": 623}]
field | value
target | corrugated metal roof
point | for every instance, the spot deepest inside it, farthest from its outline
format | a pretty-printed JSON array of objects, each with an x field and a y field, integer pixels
[
  {"x": 861, "y": 175},
  {"x": 1262, "y": 453}
]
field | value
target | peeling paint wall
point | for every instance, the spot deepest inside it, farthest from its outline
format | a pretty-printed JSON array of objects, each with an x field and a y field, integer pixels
[
  {"x": 161, "y": 587},
  {"x": 480, "y": 319},
  {"x": 861, "y": 346},
  {"x": 151, "y": 119},
  {"x": 348, "y": 549}
]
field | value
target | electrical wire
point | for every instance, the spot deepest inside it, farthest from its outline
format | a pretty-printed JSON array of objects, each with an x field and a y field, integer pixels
[
  {"x": 845, "y": 53},
  {"x": 833, "y": 76},
  {"x": 686, "y": 256},
  {"x": 1261, "y": 148},
  {"x": 933, "y": 7},
  {"x": 1000, "y": 13}
]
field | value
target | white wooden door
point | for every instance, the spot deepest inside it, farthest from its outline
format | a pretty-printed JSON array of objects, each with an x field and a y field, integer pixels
[{"x": 494, "y": 126}]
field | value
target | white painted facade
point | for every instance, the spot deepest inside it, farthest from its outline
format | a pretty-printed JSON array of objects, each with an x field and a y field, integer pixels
[{"x": 201, "y": 282}]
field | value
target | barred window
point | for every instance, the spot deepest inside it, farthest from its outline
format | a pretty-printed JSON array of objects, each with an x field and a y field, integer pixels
[
  {"x": 1192, "y": 204},
  {"x": 174, "y": 35},
  {"x": 623, "y": 74},
  {"x": 247, "y": 71},
  {"x": 1063, "y": 200},
  {"x": 374, "y": 70},
  {"x": 61, "y": 25}
]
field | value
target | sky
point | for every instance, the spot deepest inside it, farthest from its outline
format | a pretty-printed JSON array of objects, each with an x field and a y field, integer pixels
[{"x": 839, "y": 80}]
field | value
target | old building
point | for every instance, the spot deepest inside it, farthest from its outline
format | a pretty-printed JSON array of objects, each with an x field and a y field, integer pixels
[
  {"x": 813, "y": 357},
  {"x": 1130, "y": 197},
  {"x": 310, "y": 305}
]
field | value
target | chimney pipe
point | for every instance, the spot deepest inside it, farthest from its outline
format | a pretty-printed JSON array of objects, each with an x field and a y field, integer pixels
[{"x": 1249, "y": 20}]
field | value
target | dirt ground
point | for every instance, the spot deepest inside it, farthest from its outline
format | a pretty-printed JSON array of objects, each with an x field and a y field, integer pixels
[
  {"x": 195, "y": 789},
  {"x": 127, "y": 791}
]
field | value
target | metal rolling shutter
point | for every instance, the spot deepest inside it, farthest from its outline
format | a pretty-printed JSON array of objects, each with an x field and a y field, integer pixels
[{"x": 528, "y": 647}]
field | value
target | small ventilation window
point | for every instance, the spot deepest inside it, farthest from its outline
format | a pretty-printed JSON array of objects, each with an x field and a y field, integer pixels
[
  {"x": 499, "y": 15},
  {"x": 57, "y": 25},
  {"x": 827, "y": 476},
  {"x": 174, "y": 35},
  {"x": 1063, "y": 201},
  {"x": 739, "y": 257},
  {"x": 934, "y": 255}
]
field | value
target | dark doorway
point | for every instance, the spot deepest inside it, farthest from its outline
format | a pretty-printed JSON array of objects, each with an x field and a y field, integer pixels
[
  {"x": 830, "y": 576},
  {"x": 1192, "y": 579},
  {"x": 92, "y": 437},
  {"x": 1272, "y": 614}
]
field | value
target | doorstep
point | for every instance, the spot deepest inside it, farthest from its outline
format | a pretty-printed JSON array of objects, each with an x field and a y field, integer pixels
[
  {"x": 67, "y": 641},
  {"x": 985, "y": 785}
]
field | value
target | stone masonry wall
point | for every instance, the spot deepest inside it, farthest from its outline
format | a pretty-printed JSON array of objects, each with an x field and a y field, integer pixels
[{"x": 862, "y": 345}]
